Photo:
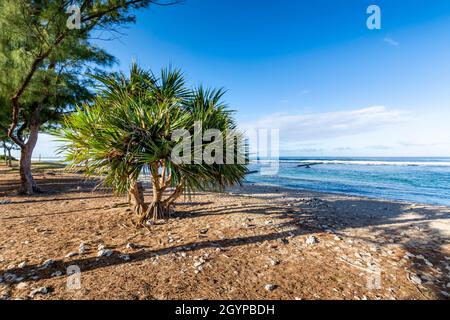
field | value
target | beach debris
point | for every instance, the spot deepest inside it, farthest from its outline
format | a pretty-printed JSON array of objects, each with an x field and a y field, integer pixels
[
  {"x": 203, "y": 231},
  {"x": 311, "y": 240},
  {"x": 71, "y": 254},
  {"x": 22, "y": 286},
  {"x": 337, "y": 238},
  {"x": 10, "y": 267},
  {"x": 101, "y": 247},
  {"x": 82, "y": 248},
  {"x": 57, "y": 274},
  {"x": 448, "y": 285},
  {"x": 415, "y": 279},
  {"x": 41, "y": 290},
  {"x": 183, "y": 254},
  {"x": 22, "y": 265},
  {"x": 2, "y": 280},
  {"x": 270, "y": 287},
  {"x": 104, "y": 253},
  {"x": 47, "y": 263}
]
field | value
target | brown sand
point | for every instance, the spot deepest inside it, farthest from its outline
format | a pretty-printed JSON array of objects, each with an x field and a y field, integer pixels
[{"x": 222, "y": 246}]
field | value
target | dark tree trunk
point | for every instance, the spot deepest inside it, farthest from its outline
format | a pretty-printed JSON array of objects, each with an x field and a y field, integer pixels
[
  {"x": 4, "y": 152},
  {"x": 27, "y": 184},
  {"x": 9, "y": 161}
]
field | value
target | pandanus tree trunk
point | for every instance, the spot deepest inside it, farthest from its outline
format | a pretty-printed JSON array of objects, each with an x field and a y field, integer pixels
[
  {"x": 136, "y": 196},
  {"x": 160, "y": 208}
]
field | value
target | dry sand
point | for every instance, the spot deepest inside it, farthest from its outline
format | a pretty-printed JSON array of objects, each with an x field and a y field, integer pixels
[{"x": 221, "y": 246}]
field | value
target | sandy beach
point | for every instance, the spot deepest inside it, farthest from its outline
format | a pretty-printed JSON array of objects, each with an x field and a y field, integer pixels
[{"x": 252, "y": 242}]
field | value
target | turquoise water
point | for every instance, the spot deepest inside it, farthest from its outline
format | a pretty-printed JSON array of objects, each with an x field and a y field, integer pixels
[{"x": 421, "y": 180}]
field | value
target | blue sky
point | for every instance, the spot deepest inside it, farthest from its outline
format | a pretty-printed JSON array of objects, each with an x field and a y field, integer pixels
[{"x": 311, "y": 69}]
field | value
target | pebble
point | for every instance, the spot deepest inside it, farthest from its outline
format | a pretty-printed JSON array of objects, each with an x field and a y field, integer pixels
[
  {"x": 82, "y": 248},
  {"x": 183, "y": 254},
  {"x": 274, "y": 262},
  {"x": 71, "y": 254},
  {"x": 125, "y": 257},
  {"x": 270, "y": 287},
  {"x": 2, "y": 280},
  {"x": 104, "y": 253},
  {"x": 57, "y": 274},
  {"x": 131, "y": 246},
  {"x": 448, "y": 285},
  {"x": 47, "y": 263},
  {"x": 101, "y": 247},
  {"x": 428, "y": 263},
  {"x": 415, "y": 279},
  {"x": 42, "y": 290},
  {"x": 22, "y": 265},
  {"x": 311, "y": 240},
  {"x": 22, "y": 286}
]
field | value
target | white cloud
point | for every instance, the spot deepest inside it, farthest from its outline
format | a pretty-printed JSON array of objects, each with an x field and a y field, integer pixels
[
  {"x": 391, "y": 41},
  {"x": 329, "y": 125}
]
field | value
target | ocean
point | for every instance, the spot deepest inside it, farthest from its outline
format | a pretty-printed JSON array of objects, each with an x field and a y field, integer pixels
[{"x": 418, "y": 180}]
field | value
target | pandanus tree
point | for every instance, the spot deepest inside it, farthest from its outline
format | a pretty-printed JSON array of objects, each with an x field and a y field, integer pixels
[{"x": 132, "y": 129}]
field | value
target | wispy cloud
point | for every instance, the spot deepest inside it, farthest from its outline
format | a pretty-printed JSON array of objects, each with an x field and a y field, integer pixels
[
  {"x": 321, "y": 126},
  {"x": 391, "y": 41},
  {"x": 303, "y": 93}
]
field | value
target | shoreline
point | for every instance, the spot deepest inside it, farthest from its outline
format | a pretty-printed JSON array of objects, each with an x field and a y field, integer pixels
[{"x": 257, "y": 185}]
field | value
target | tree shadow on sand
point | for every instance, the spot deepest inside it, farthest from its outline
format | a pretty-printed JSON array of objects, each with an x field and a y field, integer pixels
[{"x": 412, "y": 228}]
